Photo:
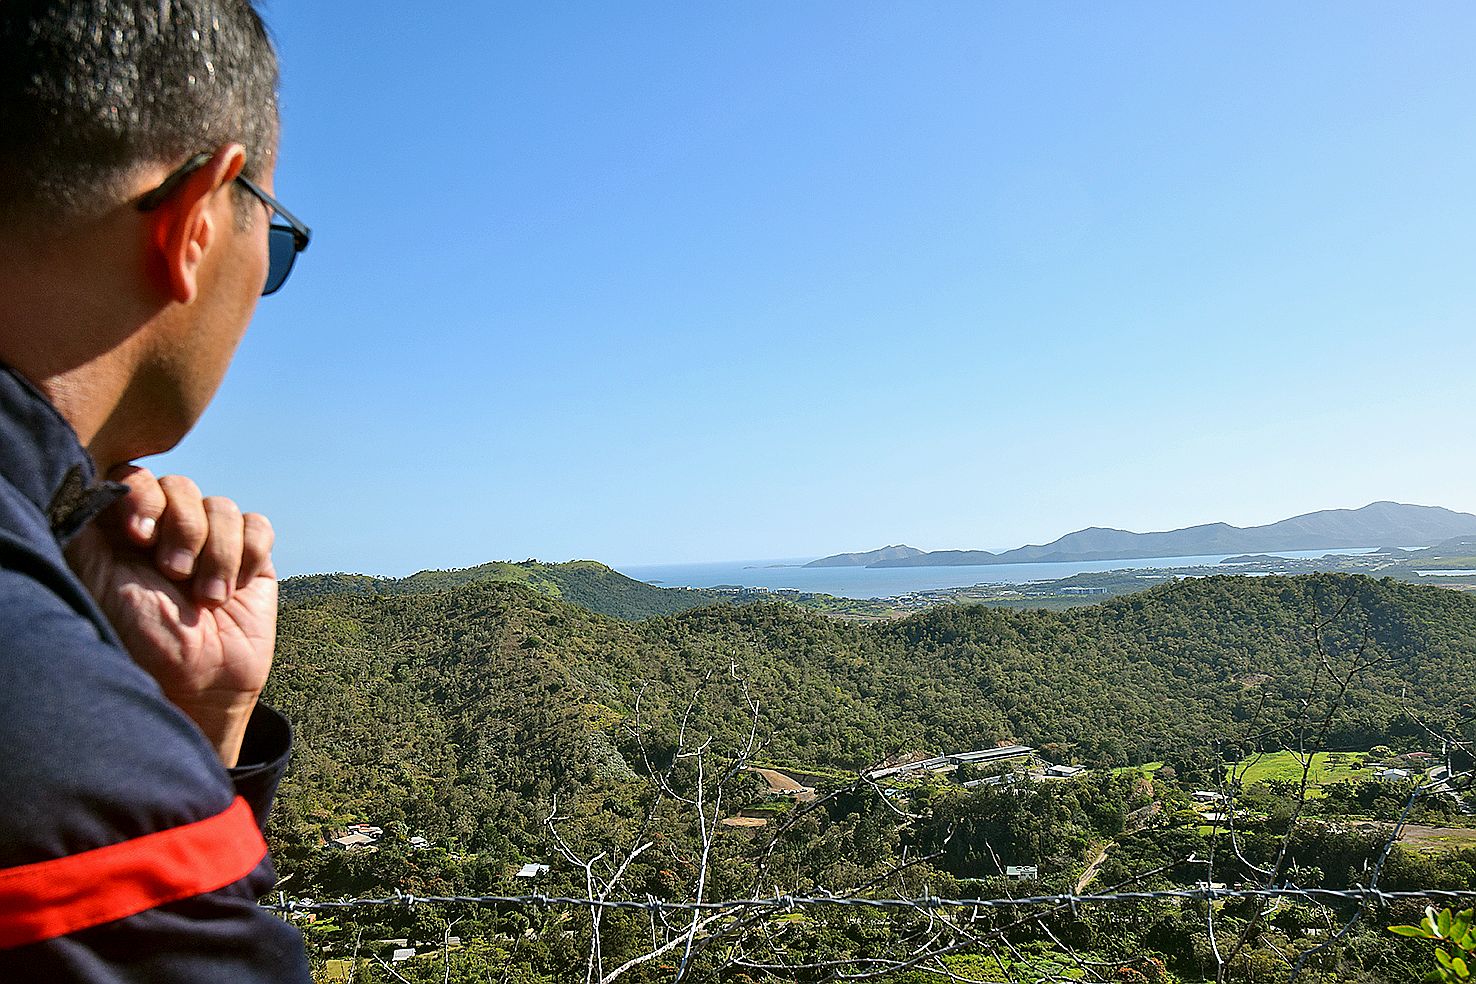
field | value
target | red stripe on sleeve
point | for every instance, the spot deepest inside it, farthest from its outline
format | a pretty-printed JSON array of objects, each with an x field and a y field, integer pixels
[{"x": 52, "y": 898}]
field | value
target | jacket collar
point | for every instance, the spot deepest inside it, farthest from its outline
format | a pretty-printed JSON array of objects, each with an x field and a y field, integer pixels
[{"x": 41, "y": 457}]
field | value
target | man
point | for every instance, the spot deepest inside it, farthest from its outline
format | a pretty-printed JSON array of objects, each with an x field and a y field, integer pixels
[{"x": 137, "y": 229}]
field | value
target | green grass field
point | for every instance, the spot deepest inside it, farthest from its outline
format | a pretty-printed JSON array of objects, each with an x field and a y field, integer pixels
[
  {"x": 1327, "y": 767},
  {"x": 1149, "y": 768}
]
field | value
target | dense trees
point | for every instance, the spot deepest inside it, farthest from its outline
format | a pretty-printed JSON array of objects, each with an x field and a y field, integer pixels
[
  {"x": 454, "y": 710},
  {"x": 585, "y": 583}
]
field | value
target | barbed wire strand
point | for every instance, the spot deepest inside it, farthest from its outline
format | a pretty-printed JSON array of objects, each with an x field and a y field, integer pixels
[{"x": 783, "y": 903}]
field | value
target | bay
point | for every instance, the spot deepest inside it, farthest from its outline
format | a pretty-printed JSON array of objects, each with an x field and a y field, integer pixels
[{"x": 887, "y": 582}]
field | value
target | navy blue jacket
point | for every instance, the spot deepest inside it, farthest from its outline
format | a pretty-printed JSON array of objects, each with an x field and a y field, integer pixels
[{"x": 118, "y": 824}]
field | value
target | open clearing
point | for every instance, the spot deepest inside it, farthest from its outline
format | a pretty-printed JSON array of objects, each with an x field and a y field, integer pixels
[
  {"x": 1437, "y": 839},
  {"x": 1327, "y": 768},
  {"x": 784, "y": 785},
  {"x": 778, "y": 781}
]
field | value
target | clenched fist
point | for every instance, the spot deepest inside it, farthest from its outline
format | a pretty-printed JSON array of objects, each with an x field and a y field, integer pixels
[{"x": 187, "y": 582}]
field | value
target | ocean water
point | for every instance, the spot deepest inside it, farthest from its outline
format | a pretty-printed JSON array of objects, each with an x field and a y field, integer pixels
[{"x": 886, "y": 582}]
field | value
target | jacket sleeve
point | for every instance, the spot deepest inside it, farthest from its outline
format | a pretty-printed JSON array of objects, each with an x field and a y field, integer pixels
[
  {"x": 127, "y": 853},
  {"x": 264, "y": 754}
]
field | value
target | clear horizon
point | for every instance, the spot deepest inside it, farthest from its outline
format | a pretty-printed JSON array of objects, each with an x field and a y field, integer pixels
[
  {"x": 620, "y": 565},
  {"x": 665, "y": 283}
]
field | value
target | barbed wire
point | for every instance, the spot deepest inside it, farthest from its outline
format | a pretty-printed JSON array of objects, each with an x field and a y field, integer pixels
[{"x": 789, "y": 903}]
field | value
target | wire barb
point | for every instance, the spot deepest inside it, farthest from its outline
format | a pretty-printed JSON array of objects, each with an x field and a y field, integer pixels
[{"x": 791, "y": 903}]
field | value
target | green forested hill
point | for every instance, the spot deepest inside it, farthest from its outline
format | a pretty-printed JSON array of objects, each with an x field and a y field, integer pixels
[
  {"x": 460, "y": 711},
  {"x": 585, "y": 583}
]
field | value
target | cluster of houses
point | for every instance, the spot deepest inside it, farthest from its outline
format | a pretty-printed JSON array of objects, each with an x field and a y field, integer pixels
[
  {"x": 1033, "y": 768},
  {"x": 754, "y": 591},
  {"x": 365, "y": 837},
  {"x": 1210, "y": 805},
  {"x": 1411, "y": 765}
]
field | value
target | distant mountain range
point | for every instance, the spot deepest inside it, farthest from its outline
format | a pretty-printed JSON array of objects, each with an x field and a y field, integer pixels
[{"x": 1379, "y": 523}]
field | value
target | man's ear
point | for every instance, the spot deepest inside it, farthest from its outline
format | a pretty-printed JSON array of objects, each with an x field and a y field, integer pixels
[{"x": 186, "y": 224}]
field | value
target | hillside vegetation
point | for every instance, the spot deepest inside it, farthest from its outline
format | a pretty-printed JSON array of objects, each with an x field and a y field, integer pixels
[
  {"x": 586, "y": 583},
  {"x": 456, "y": 708}
]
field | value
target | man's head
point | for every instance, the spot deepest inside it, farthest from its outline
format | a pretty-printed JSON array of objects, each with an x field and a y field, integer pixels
[
  {"x": 127, "y": 317},
  {"x": 91, "y": 91}
]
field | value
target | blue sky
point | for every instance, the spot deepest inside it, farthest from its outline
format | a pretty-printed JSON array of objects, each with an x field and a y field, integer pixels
[{"x": 689, "y": 281}]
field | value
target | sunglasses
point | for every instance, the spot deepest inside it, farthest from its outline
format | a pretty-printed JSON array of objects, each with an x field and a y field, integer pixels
[{"x": 285, "y": 239}]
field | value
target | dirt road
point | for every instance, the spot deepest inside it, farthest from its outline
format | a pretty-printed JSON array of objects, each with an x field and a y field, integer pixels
[{"x": 1091, "y": 871}]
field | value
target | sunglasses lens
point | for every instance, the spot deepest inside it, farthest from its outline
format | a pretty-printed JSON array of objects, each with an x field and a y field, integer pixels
[{"x": 282, "y": 249}]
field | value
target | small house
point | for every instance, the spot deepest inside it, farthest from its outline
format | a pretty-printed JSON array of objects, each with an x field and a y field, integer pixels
[{"x": 532, "y": 870}]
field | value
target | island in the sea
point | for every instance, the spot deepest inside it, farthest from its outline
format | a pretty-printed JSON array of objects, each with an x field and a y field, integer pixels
[
  {"x": 1392, "y": 523},
  {"x": 871, "y": 558}
]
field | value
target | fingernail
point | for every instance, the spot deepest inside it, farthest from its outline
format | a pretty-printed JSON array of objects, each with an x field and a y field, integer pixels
[
  {"x": 215, "y": 589},
  {"x": 144, "y": 525},
  {"x": 181, "y": 562}
]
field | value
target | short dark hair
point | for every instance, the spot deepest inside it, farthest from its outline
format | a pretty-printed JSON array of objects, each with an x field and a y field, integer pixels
[{"x": 90, "y": 90}]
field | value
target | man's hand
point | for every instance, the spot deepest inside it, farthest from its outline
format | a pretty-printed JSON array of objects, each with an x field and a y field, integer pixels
[{"x": 188, "y": 584}]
